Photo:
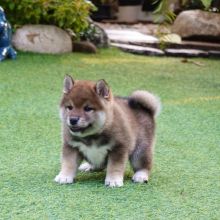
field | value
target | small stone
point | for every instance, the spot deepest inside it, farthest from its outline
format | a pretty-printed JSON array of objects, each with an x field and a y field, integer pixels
[{"x": 84, "y": 47}]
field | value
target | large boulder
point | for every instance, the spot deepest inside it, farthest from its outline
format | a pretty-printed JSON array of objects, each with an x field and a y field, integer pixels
[
  {"x": 42, "y": 39},
  {"x": 198, "y": 24}
]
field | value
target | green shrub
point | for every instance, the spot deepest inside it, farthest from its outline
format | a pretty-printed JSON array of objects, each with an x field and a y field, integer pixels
[
  {"x": 65, "y": 14},
  {"x": 197, "y": 4}
]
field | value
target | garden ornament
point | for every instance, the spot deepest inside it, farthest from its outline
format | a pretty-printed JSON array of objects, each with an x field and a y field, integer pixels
[{"x": 6, "y": 50}]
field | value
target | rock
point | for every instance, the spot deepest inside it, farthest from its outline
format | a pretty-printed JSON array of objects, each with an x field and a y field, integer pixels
[
  {"x": 100, "y": 38},
  {"x": 214, "y": 53},
  {"x": 186, "y": 53},
  {"x": 96, "y": 35},
  {"x": 138, "y": 49},
  {"x": 199, "y": 24},
  {"x": 129, "y": 36},
  {"x": 84, "y": 47},
  {"x": 42, "y": 39}
]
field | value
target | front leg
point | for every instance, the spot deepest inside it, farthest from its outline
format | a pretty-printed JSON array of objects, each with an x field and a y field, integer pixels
[
  {"x": 69, "y": 165},
  {"x": 115, "y": 167}
]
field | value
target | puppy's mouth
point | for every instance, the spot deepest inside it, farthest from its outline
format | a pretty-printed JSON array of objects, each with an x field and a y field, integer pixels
[{"x": 79, "y": 129}]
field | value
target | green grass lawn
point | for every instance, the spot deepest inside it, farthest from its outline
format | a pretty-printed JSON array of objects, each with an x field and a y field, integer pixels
[{"x": 185, "y": 182}]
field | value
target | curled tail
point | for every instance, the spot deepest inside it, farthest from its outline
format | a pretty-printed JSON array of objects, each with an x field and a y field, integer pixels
[{"x": 146, "y": 101}]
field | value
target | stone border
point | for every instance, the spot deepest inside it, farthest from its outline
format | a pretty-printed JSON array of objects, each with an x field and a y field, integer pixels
[{"x": 137, "y": 43}]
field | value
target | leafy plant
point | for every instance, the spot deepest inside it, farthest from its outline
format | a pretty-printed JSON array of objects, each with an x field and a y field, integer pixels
[
  {"x": 206, "y": 3},
  {"x": 163, "y": 9},
  {"x": 95, "y": 34},
  {"x": 71, "y": 14},
  {"x": 169, "y": 15},
  {"x": 196, "y": 4}
]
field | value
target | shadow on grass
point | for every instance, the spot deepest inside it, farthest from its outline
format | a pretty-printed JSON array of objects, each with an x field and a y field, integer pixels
[{"x": 98, "y": 176}]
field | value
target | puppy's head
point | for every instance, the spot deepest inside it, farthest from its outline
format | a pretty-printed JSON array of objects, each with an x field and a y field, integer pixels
[{"x": 83, "y": 106}]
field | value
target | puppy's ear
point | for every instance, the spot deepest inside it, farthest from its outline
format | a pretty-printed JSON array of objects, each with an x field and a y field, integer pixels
[
  {"x": 67, "y": 84},
  {"x": 102, "y": 89}
]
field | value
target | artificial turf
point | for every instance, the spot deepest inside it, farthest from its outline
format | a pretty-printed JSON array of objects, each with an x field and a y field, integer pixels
[{"x": 185, "y": 182}]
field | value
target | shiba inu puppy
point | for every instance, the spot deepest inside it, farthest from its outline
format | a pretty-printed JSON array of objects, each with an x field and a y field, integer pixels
[{"x": 106, "y": 131}]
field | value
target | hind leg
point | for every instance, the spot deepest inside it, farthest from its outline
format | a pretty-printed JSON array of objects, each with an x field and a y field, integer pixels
[{"x": 141, "y": 161}]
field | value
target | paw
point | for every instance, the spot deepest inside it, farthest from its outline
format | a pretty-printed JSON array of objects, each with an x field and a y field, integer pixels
[
  {"x": 86, "y": 167},
  {"x": 114, "y": 181},
  {"x": 140, "y": 176},
  {"x": 63, "y": 179}
]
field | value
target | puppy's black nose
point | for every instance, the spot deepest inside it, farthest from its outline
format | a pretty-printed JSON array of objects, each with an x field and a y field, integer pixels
[{"x": 74, "y": 120}]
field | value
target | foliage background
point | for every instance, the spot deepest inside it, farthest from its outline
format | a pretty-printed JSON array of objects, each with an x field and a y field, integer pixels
[{"x": 66, "y": 14}]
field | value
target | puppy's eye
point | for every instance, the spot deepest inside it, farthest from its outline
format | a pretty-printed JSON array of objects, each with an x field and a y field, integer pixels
[
  {"x": 69, "y": 107},
  {"x": 88, "y": 108}
]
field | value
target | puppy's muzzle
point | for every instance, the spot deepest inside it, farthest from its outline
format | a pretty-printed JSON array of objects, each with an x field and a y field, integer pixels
[{"x": 74, "y": 121}]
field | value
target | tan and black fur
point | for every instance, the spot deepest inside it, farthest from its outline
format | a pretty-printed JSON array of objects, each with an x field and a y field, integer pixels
[{"x": 106, "y": 131}]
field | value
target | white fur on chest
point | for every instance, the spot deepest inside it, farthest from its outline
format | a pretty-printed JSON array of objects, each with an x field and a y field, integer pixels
[{"x": 95, "y": 154}]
